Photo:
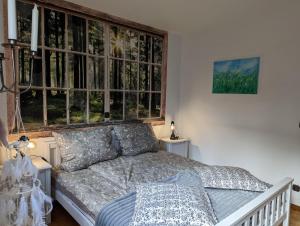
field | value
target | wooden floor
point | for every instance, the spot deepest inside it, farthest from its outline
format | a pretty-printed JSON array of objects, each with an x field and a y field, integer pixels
[
  {"x": 60, "y": 217},
  {"x": 295, "y": 216}
]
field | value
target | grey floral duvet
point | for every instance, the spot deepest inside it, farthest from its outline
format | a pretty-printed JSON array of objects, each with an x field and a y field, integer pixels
[{"x": 106, "y": 190}]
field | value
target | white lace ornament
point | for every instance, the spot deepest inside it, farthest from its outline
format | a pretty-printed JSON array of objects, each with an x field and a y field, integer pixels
[{"x": 22, "y": 201}]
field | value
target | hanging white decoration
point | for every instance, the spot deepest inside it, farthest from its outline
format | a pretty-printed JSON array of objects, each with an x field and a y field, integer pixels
[
  {"x": 22, "y": 201},
  {"x": 22, "y": 214}
]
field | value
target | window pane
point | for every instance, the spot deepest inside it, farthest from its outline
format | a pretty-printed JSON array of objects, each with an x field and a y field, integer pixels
[
  {"x": 96, "y": 100},
  {"x": 131, "y": 70},
  {"x": 143, "y": 108},
  {"x": 157, "y": 50},
  {"x": 55, "y": 69},
  {"x": 24, "y": 22},
  {"x": 77, "y": 71},
  {"x": 156, "y": 78},
  {"x": 144, "y": 78},
  {"x": 31, "y": 104},
  {"x": 25, "y": 68},
  {"x": 145, "y": 47},
  {"x": 96, "y": 38},
  {"x": 116, "y": 105},
  {"x": 54, "y": 29},
  {"x": 116, "y": 42},
  {"x": 130, "y": 106},
  {"x": 116, "y": 74},
  {"x": 77, "y": 107},
  {"x": 131, "y": 45},
  {"x": 76, "y": 33},
  {"x": 56, "y": 107},
  {"x": 155, "y": 105},
  {"x": 96, "y": 72}
]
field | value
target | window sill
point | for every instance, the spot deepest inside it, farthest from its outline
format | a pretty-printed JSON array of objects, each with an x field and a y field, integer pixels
[
  {"x": 47, "y": 132},
  {"x": 155, "y": 122}
]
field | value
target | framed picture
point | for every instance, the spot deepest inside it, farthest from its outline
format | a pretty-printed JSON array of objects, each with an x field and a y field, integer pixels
[{"x": 239, "y": 76}]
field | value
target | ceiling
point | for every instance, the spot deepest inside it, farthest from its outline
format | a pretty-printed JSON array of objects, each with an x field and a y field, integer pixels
[{"x": 185, "y": 16}]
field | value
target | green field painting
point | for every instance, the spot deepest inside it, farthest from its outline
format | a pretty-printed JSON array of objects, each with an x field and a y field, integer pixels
[{"x": 238, "y": 76}]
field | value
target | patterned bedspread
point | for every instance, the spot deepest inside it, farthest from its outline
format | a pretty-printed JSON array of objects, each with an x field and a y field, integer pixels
[
  {"x": 110, "y": 184},
  {"x": 223, "y": 201},
  {"x": 103, "y": 182}
]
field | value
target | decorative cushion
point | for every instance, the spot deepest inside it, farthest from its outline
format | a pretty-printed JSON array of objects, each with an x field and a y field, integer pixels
[
  {"x": 227, "y": 177},
  {"x": 136, "y": 138},
  {"x": 171, "y": 204},
  {"x": 82, "y": 148}
]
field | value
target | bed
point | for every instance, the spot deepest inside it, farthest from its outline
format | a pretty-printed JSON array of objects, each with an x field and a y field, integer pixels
[{"x": 107, "y": 188}]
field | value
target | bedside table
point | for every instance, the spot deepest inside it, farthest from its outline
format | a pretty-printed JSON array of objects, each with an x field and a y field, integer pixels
[
  {"x": 179, "y": 147},
  {"x": 44, "y": 175}
]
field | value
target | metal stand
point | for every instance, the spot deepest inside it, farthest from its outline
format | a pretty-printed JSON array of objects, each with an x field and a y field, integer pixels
[{"x": 13, "y": 87}]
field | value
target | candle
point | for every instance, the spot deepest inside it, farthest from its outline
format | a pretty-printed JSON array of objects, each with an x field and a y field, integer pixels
[
  {"x": 12, "y": 20},
  {"x": 34, "y": 28}
]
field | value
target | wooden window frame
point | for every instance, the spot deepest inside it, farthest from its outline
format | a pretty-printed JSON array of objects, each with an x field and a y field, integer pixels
[{"x": 75, "y": 9}]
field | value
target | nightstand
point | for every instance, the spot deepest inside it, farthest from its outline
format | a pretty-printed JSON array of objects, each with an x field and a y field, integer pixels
[
  {"x": 179, "y": 147},
  {"x": 44, "y": 175}
]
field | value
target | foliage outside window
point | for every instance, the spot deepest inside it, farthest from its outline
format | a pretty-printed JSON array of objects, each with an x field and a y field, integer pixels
[{"x": 87, "y": 67}]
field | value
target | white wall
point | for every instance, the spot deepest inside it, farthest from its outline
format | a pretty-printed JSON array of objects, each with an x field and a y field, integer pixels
[{"x": 257, "y": 132}]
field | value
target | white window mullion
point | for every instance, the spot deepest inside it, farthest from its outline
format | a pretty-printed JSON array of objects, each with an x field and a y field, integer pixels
[
  {"x": 150, "y": 77},
  {"x": 86, "y": 71},
  {"x": 138, "y": 78},
  {"x": 123, "y": 74},
  {"x": 44, "y": 67},
  {"x": 106, "y": 70},
  {"x": 66, "y": 70}
]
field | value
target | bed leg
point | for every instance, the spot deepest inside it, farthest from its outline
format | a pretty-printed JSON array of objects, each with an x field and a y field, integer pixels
[
  {"x": 288, "y": 206},
  {"x": 286, "y": 221}
]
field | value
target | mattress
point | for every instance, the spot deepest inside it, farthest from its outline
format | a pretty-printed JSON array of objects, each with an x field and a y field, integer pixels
[{"x": 106, "y": 183}]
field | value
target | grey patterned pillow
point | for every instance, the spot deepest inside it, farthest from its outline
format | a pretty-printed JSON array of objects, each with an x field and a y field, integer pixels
[
  {"x": 171, "y": 204},
  {"x": 82, "y": 148},
  {"x": 227, "y": 177},
  {"x": 136, "y": 138}
]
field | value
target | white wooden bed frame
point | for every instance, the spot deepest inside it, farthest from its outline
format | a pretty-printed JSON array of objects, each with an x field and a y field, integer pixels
[{"x": 271, "y": 208}]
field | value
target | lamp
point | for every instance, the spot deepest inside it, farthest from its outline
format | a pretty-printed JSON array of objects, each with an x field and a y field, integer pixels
[
  {"x": 173, "y": 136},
  {"x": 29, "y": 144},
  {"x": 22, "y": 145}
]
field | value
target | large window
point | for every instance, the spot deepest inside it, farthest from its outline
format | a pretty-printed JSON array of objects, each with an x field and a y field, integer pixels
[{"x": 87, "y": 67}]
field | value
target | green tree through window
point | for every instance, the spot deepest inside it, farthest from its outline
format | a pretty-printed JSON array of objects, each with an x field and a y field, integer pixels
[{"x": 87, "y": 67}]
